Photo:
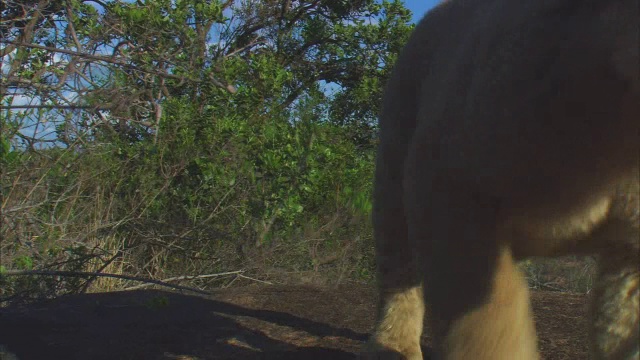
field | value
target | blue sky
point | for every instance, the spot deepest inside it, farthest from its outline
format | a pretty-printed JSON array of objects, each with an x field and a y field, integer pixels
[{"x": 420, "y": 7}]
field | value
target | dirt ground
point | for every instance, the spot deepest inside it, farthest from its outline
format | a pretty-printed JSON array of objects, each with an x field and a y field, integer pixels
[{"x": 258, "y": 322}]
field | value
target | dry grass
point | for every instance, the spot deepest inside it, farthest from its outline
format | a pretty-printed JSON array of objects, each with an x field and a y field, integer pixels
[{"x": 567, "y": 274}]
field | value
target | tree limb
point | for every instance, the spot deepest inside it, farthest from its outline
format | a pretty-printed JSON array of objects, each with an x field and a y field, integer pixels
[{"x": 106, "y": 59}]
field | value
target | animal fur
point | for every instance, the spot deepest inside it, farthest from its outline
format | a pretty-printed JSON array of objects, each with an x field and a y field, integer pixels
[{"x": 509, "y": 129}]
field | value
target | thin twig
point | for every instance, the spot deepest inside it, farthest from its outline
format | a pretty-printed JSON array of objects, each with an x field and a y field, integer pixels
[
  {"x": 257, "y": 280},
  {"x": 188, "y": 277},
  {"x": 91, "y": 274},
  {"x": 119, "y": 62},
  {"x": 53, "y": 106},
  {"x": 106, "y": 264}
]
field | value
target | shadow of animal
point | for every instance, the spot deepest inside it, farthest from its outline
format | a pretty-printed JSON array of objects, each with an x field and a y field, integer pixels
[{"x": 155, "y": 325}]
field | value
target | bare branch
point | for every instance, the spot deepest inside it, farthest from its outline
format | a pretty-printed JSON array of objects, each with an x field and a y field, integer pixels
[
  {"x": 188, "y": 277},
  {"x": 92, "y": 274},
  {"x": 111, "y": 60},
  {"x": 72, "y": 107}
]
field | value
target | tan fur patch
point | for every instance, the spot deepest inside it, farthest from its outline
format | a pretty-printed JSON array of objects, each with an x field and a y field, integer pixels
[
  {"x": 501, "y": 329},
  {"x": 401, "y": 324}
]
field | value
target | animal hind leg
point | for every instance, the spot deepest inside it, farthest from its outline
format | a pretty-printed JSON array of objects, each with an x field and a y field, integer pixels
[
  {"x": 400, "y": 305},
  {"x": 477, "y": 297},
  {"x": 502, "y": 327},
  {"x": 399, "y": 325},
  {"x": 615, "y": 307}
]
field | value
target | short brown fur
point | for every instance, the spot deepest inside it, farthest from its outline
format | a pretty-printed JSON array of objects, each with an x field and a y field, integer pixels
[{"x": 509, "y": 129}]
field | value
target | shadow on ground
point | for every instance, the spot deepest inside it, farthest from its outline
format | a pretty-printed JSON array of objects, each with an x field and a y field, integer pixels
[
  {"x": 156, "y": 325},
  {"x": 265, "y": 322}
]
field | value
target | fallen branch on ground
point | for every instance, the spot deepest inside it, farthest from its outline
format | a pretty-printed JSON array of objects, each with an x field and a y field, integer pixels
[
  {"x": 116, "y": 276},
  {"x": 187, "y": 277}
]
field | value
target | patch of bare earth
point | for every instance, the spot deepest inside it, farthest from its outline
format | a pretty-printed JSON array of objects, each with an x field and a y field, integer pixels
[{"x": 259, "y": 322}]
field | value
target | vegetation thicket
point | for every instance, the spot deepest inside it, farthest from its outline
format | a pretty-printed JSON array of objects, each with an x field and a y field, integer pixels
[{"x": 164, "y": 138}]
